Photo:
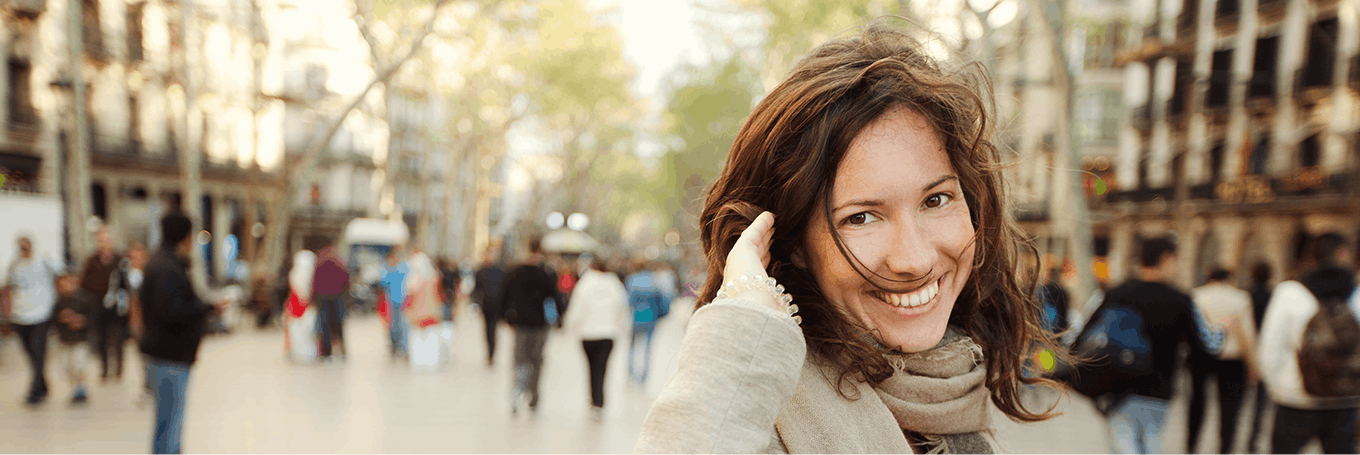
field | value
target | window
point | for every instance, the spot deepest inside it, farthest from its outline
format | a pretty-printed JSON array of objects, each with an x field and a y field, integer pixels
[
  {"x": 1310, "y": 151},
  {"x": 1220, "y": 78},
  {"x": 1256, "y": 162},
  {"x": 1102, "y": 40},
  {"x": 90, "y": 28},
  {"x": 1226, "y": 10},
  {"x": 1185, "y": 79},
  {"x": 1098, "y": 112},
  {"x": 134, "y": 31},
  {"x": 20, "y": 99},
  {"x": 1317, "y": 69},
  {"x": 1189, "y": 14},
  {"x": 134, "y": 121},
  {"x": 1263, "y": 67},
  {"x": 1215, "y": 162}
]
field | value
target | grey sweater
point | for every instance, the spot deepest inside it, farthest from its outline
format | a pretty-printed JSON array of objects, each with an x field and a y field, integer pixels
[{"x": 739, "y": 364}]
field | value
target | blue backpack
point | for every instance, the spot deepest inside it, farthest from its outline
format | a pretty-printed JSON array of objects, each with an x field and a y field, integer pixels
[
  {"x": 1117, "y": 350},
  {"x": 649, "y": 304}
]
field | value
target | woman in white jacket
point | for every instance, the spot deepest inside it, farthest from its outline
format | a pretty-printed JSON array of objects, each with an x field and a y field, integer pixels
[{"x": 598, "y": 313}]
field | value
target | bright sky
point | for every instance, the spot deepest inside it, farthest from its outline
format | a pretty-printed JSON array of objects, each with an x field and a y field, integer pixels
[{"x": 657, "y": 36}]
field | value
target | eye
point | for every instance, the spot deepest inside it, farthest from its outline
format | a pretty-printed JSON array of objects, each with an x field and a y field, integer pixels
[
  {"x": 938, "y": 200},
  {"x": 859, "y": 219}
]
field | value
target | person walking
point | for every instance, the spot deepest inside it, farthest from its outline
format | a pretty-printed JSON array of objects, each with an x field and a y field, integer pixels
[
  {"x": 1228, "y": 309},
  {"x": 393, "y": 284},
  {"x": 31, "y": 286},
  {"x": 1159, "y": 318},
  {"x": 526, "y": 292},
  {"x": 1260, "y": 299},
  {"x": 1300, "y": 415},
  {"x": 75, "y": 319},
  {"x": 486, "y": 292},
  {"x": 120, "y": 310},
  {"x": 106, "y": 326},
  {"x": 649, "y": 303},
  {"x": 329, "y": 286},
  {"x": 598, "y": 314},
  {"x": 174, "y": 322}
]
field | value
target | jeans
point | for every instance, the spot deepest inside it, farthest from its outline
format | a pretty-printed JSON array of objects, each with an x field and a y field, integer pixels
[
  {"x": 34, "y": 338},
  {"x": 492, "y": 321},
  {"x": 332, "y": 322},
  {"x": 528, "y": 362},
  {"x": 169, "y": 385},
  {"x": 110, "y": 336},
  {"x": 1231, "y": 377},
  {"x": 597, "y": 357},
  {"x": 1294, "y": 428},
  {"x": 637, "y": 369},
  {"x": 1262, "y": 399},
  {"x": 399, "y": 331},
  {"x": 1136, "y": 425}
]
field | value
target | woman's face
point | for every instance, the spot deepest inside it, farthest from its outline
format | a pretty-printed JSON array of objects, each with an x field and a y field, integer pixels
[{"x": 900, "y": 210}]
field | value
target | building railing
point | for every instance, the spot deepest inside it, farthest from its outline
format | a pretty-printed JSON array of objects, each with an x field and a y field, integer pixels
[{"x": 25, "y": 8}]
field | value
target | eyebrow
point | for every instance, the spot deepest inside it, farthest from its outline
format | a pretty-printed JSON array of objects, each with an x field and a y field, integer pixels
[{"x": 879, "y": 203}]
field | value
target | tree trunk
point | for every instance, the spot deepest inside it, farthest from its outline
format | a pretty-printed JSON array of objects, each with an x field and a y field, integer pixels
[
  {"x": 1069, "y": 146},
  {"x": 304, "y": 170}
]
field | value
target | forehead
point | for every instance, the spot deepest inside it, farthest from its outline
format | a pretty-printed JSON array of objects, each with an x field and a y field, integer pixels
[{"x": 897, "y": 153}]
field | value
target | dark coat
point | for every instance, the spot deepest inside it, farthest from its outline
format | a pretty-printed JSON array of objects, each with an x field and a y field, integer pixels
[
  {"x": 173, "y": 316},
  {"x": 523, "y": 293}
]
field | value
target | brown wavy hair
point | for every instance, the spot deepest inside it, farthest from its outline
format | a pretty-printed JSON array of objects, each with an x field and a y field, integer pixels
[{"x": 785, "y": 158}]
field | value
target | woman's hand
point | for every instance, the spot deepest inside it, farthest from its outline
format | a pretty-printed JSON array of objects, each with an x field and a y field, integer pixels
[{"x": 750, "y": 256}]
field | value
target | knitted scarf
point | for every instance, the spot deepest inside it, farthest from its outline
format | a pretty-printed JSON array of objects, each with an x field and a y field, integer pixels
[{"x": 938, "y": 397}]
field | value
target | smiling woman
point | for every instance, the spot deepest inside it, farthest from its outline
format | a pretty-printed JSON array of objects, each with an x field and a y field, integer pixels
[{"x": 866, "y": 187}]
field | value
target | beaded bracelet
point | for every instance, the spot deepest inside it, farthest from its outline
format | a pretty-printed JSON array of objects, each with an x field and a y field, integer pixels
[{"x": 746, "y": 283}]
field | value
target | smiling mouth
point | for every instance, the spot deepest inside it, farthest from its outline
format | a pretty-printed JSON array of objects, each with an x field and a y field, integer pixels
[{"x": 919, "y": 297}]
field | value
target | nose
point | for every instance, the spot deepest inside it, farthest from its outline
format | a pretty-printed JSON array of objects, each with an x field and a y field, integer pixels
[{"x": 910, "y": 252}]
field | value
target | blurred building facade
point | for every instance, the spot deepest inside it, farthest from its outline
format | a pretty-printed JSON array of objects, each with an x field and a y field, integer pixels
[
  {"x": 1241, "y": 135},
  {"x": 160, "y": 84},
  {"x": 1030, "y": 98}
]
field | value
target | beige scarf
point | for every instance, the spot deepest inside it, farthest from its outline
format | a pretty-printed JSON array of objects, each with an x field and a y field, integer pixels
[{"x": 939, "y": 396}]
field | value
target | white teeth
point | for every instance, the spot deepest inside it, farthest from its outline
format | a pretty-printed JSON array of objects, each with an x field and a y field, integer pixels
[{"x": 915, "y": 299}]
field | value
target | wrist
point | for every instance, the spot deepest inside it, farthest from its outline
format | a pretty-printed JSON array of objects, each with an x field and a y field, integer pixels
[{"x": 763, "y": 290}]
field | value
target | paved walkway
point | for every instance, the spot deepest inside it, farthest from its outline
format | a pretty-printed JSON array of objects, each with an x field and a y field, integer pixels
[{"x": 245, "y": 398}]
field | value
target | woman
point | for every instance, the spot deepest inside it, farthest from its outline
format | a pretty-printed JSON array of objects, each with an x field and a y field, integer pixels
[
  {"x": 598, "y": 314},
  {"x": 300, "y": 338},
  {"x": 866, "y": 186}
]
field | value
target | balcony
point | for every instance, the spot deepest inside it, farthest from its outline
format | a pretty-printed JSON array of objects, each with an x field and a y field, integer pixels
[
  {"x": 1141, "y": 195},
  {"x": 1272, "y": 9},
  {"x": 24, "y": 8}
]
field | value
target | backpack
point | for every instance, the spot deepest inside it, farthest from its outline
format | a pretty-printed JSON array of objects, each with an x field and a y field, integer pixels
[
  {"x": 1329, "y": 356},
  {"x": 649, "y": 304},
  {"x": 1114, "y": 350}
]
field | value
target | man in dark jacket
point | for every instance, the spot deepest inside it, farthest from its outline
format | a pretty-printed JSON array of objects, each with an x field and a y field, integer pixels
[
  {"x": 486, "y": 291},
  {"x": 525, "y": 293},
  {"x": 1168, "y": 318},
  {"x": 175, "y": 320}
]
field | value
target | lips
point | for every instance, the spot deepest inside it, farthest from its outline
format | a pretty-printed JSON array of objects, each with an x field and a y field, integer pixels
[{"x": 919, "y": 297}]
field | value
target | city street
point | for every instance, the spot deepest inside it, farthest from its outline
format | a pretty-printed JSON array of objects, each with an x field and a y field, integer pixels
[{"x": 245, "y": 398}]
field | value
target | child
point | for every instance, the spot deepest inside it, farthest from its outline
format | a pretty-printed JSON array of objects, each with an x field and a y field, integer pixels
[{"x": 74, "y": 320}]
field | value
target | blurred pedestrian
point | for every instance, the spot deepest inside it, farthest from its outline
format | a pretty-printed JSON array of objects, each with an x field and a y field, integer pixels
[
  {"x": 175, "y": 320},
  {"x": 75, "y": 321},
  {"x": 107, "y": 325},
  {"x": 649, "y": 303},
  {"x": 449, "y": 280},
  {"x": 1227, "y": 309},
  {"x": 598, "y": 314},
  {"x": 1151, "y": 319},
  {"x": 486, "y": 293},
  {"x": 393, "y": 284},
  {"x": 329, "y": 286},
  {"x": 1260, "y": 298},
  {"x": 31, "y": 285},
  {"x": 1301, "y": 414},
  {"x": 117, "y": 308},
  {"x": 527, "y": 290},
  {"x": 300, "y": 316}
]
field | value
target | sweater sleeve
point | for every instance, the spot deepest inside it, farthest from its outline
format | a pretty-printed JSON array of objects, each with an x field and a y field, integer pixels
[
  {"x": 738, "y": 366},
  {"x": 1278, "y": 334}
]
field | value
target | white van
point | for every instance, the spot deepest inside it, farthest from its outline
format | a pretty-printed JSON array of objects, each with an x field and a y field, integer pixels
[{"x": 365, "y": 243}]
